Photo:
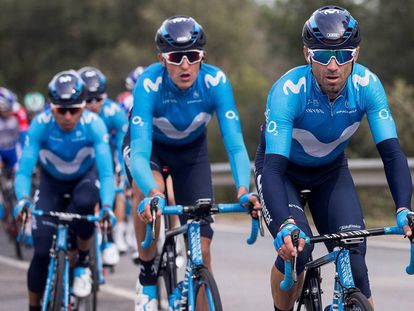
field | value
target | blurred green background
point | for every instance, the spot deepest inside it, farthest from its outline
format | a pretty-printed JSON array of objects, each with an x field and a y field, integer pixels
[{"x": 254, "y": 42}]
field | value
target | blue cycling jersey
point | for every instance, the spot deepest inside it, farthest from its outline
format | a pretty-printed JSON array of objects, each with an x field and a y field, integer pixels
[
  {"x": 305, "y": 126},
  {"x": 116, "y": 122},
  {"x": 172, "y": 116},
  {"x": 67, "y": 155}
]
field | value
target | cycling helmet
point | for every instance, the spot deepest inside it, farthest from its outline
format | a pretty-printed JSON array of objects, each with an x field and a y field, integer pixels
[
  {"x": 331, "y": 27},
  {"x": 67, "y": 89},
  {"x": 34, "y": 102},
  {"x": 95, "y": 81},
  {"x": 7, "y": 99},
  {"x": 133, "y": 77},
  {"x": 180, "y": 33}
]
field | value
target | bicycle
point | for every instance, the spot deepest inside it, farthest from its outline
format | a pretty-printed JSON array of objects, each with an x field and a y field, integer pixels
[
  {"x": 197, "y": 280},
  {"x": 346, "y": 296},
  {"x": 57, "y": 295},
  {"x": 8, "y": 199}
]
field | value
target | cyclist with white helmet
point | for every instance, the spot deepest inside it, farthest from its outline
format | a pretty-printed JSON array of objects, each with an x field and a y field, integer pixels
[
  {"x": 34, "y": 102},
  {"x": 70, "y": 144},
  {"x": 312, "y": 112},
  {"x": 174, "y": 100},
  {"x": 116, "y": 123}
]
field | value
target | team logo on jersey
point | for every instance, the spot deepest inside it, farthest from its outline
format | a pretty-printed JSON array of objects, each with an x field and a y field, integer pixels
[
  {"x": 44, "y": 118},
  {"x": 137, "y": 121},
  {"x": 154, "y": 86},
  {"x": 272, "y": 128},
  {"x": 231, "y": 115},
  {"x": 209, "y": 80},
  {"x": 363, "y": 81},
  {"x": 384, "y": 114},
  {"x": 111, "y": 110},
  {"x": 62, "y": 166},
  {"x": 105, "y": 138},
  {"x": 315, "y": 148},
  {"x": 294, "y": 88},
  {"x": 88, "y": 118},
  {"x": 169, "y": 130}
]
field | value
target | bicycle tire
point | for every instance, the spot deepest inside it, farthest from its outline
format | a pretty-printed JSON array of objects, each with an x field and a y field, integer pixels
[
  {"x": 356, "y": 301},
  {"x": 205, "y": 280},
  {"x": 56, "y": 303}
]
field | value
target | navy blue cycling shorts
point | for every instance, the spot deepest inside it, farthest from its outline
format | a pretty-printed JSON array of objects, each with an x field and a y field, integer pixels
[
  {"x": 190, "y": 172},
  {"x": 333, "y": 203}
]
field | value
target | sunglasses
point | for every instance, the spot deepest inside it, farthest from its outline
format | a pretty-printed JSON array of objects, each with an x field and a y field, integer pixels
[
  {"x": 341, "y": 57},
  {"x": 62, "y": 110},
  {"x": 95, "y": 99},
  {"x": 177, "y": 58}
]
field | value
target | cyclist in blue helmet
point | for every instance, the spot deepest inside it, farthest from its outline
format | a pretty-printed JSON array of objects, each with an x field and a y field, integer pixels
[
  {"x": 174, "y": 100},
  {"x": 71, "y": 147},
  {"x": 312, "y": 112},
  {"x": 10, "y": 132},
  {"x": 116, "y": 122},
  {"x": 125, "y": 99}
]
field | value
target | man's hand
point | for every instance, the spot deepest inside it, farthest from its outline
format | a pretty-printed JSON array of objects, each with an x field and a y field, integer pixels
[
  {"x": 22, "y": 211},
  {"x": 107, "y": 214},
  {"x": 144, "y": 208},
  {"x": 283, "y": 242},
  {"x": 252, "y": 202},
  {"x": 402, "y": 220}
]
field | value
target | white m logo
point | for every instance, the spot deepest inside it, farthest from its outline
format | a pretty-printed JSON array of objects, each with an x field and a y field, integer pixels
[
  {"x": 148, "y": 84},
  {"x": 209, "y": 80},
  {"x": 111, "y": 110},
  {"x": 363, "y": 81},
  {"x": 294, "y": 88}
]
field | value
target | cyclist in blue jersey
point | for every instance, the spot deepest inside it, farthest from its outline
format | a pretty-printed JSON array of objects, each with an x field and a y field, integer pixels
[
  {"x": 312, "y": 112},
  {"x": 174, "y": 100},
  {"x": 125, "y": 99},
  {"x": 71, "y": 147},
  {"x": 116, "y": 123}
]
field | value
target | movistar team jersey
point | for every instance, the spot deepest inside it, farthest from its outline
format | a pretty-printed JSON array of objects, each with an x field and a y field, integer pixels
[
  {"x": 67, "y": 155},
  {"x": 116, "y": 122},
  {"x": 305, "y": 126},
  {"x": 9, "y": 132},
  {"x": 164, "y": 113}
]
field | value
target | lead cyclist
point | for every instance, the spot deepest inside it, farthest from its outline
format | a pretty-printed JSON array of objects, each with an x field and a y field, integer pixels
[{"x": 312, "y": 112}]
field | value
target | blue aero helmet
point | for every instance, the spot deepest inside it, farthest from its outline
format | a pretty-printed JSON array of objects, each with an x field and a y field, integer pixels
[
  {"x": 66, "y": 89},
  {"x": 133, "y": 76},
  {"x": 331, "y": 27},
  {"x": 180, "y": 33},
  {"x": 95, "y": 81}
]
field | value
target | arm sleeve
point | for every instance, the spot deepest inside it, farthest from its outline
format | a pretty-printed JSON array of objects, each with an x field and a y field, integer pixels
[
  {"x": 103, "y": 162},
  {"x": 397, "y": 172},
  {"x": 121, "y": 124},
  {"x": 28, "y": 160},
  {"x": 141, "y": 137},
  {"x": 231, "y": 133},
  {"x": 275, "y": 143}
]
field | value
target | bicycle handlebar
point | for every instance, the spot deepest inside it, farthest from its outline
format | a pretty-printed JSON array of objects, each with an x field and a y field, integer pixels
[
  {"x": 200, "y": 209},
  {"x": 350, "y": 237}
]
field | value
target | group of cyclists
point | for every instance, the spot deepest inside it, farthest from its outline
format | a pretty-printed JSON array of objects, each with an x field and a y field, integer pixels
[{"x": 312, "y": 111}]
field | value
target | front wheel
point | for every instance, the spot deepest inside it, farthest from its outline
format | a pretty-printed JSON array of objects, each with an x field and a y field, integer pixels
[
  {"x": 206, "y": 290},
  {"x": 356, "y": 301}
]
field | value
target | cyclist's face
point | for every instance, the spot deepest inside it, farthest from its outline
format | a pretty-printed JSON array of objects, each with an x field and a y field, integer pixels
[
  {"x": 332, "y": 77},
  {"x": 67, "y": 121},
  {"x": 184, "y": 75}
]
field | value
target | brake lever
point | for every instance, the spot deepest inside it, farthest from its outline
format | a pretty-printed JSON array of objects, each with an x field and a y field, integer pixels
[{"x": 295, "y": 241}]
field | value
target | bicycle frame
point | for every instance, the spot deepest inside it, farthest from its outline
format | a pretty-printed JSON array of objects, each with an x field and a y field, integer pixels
[
  {"x": 183, "y": 294},
  {"x": 60, "y": 242}
]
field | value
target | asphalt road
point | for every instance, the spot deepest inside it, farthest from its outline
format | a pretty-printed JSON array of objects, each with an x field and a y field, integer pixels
[{"x": 241, "y": 271}]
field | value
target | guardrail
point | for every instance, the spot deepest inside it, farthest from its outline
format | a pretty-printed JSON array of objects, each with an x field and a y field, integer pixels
[{"x": 365, "y": 172}]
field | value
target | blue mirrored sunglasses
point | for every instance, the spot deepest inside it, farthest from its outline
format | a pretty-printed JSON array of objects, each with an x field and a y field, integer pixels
[{"x": 341, "y": 57}]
